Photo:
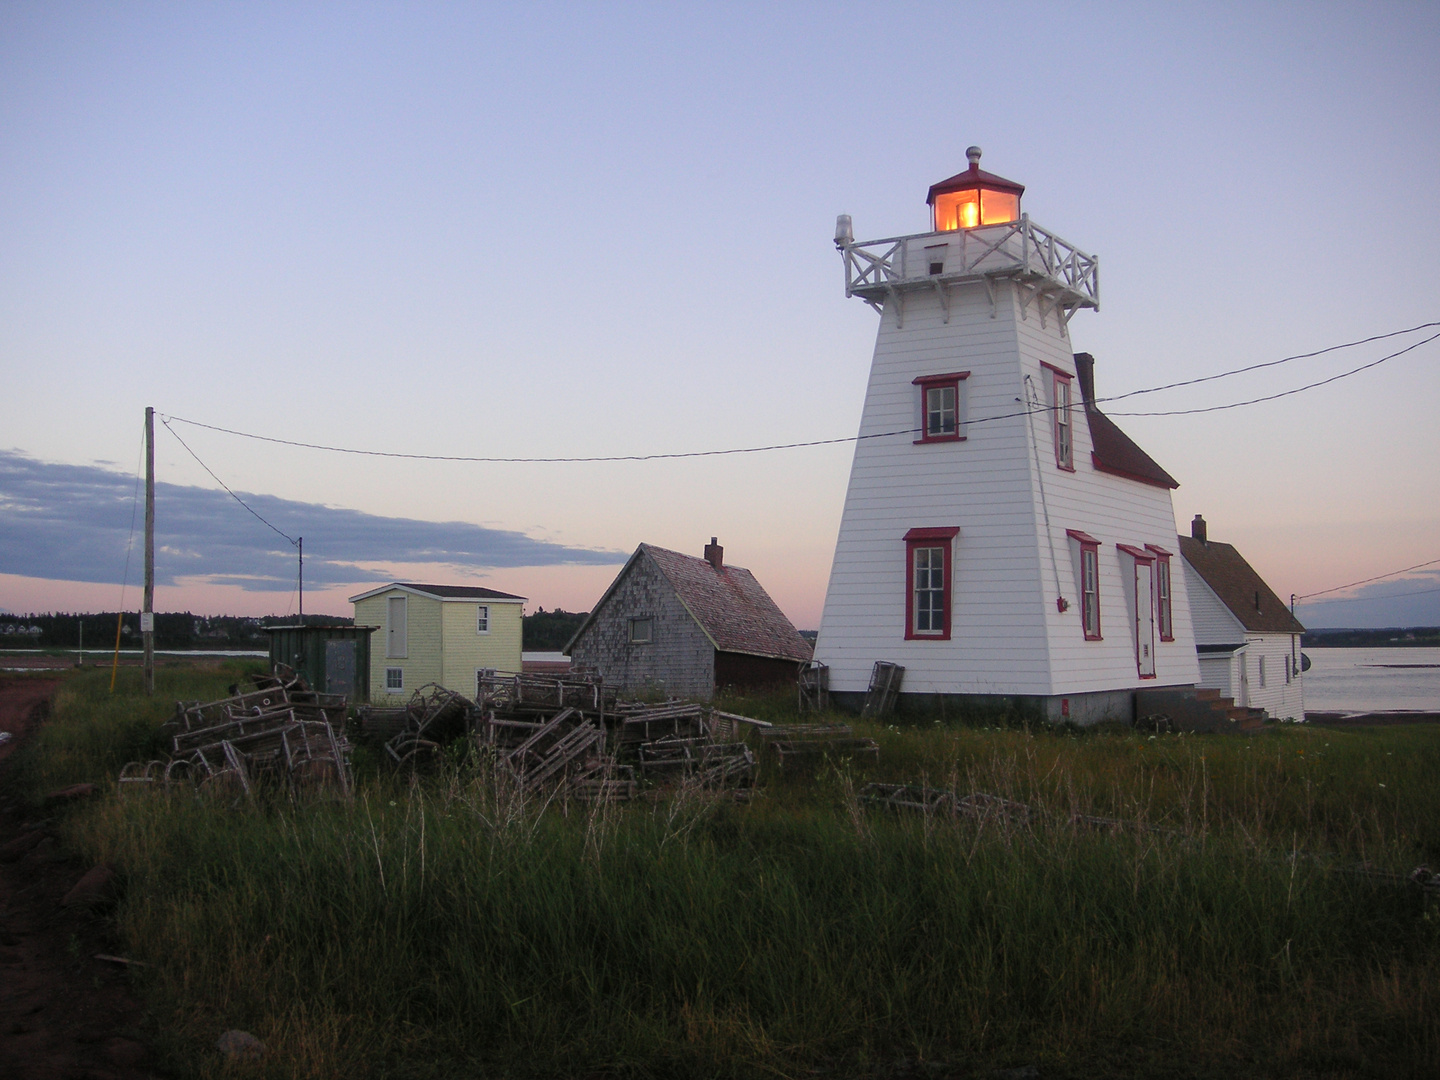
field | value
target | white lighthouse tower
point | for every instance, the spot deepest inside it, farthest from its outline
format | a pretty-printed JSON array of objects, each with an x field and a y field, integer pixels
[{"x": 1001, "y": 537}]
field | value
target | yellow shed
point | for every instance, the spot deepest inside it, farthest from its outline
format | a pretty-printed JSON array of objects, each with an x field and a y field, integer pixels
[{"x": 446, "y": 634}]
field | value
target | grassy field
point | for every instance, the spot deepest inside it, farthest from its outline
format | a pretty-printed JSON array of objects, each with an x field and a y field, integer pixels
[{"x": 450, "y": 926}]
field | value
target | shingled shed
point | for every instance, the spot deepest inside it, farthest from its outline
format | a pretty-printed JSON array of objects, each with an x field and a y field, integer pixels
[{"x": 687, "y": 626}]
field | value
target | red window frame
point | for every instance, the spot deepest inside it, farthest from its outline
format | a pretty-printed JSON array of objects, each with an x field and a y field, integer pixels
[
  {"x": 1164, "y": 605},
  {"x": 927, "y": 383},
  {"x": 930, "y": 539},
  {"x": 1062, "y": 419},
  {"x": 1089, "y": 574}
]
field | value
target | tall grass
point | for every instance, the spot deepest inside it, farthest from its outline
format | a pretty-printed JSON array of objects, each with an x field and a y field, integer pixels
[{"x": 453, "y": 924}]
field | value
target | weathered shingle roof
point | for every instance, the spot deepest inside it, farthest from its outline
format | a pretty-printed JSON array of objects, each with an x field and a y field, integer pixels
[
  {"x": 1239, "y": 587},
  {"x": 1113, "y": 450},
  {"x": 730, "y": 606}
]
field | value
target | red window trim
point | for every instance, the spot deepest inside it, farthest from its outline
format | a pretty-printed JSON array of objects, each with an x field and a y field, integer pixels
[
  {"x": 1139, "y": 554},
  {"x": 1057, "y": 376},
  {"x": 942, "y": 537},
  {"x": 928, "y": 382},
  {"x": 1164, "y": 601},
  {"x": 1088, "y": 545}
]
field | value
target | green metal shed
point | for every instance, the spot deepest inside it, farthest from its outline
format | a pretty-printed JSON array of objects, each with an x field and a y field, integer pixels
[{"x": 333, "y": 659}]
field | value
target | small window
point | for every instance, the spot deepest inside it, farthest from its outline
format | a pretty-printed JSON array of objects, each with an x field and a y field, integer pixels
[
  {"x": 482, "y": 621},
  {"x": 642, "y": 630},
  {"x": 1262, "y": 672},
  {"x": 942, "y": 407},
  {"x": 394, "y": 678},
  {"x": 1089, "y": 582},
  {"x": 1163, "y": 607},
  {"x": 928, "y": 577},
  {"x": 1064, "y": 429}
]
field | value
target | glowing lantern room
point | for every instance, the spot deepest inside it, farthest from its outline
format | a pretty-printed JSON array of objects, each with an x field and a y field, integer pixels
[{"x": 974, "y": 197}]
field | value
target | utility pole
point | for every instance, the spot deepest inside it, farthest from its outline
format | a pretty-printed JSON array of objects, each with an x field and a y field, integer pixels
[
  {"x": 147, "y": 614},
  {"x": 301, "y": 545}
]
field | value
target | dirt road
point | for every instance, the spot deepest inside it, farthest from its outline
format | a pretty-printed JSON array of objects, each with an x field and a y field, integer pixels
[{"x": 63, "y": 1014}]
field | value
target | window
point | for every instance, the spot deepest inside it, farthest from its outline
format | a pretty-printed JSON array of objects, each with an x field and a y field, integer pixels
[
  {"x": 482, "y": 619},
  {"x": 1089, "y": 582},
  {"x": 1163, "y": 609},
  {"x": 642, "y": 630},
  {"x": 395, "y": 643},
  {"x": 928, "y": 582},
  {"x": 394, "y": 678},
  {"x": 1262, "y": 672},
  {"x": 1064, "y": 430},
  {"x": 942, "y": 407}
]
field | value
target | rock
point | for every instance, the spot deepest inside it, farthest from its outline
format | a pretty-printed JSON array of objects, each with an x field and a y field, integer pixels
[
  {"x": 74, "y": 791},
  {"x": 20, "y": 845},
  {"x": 94, "y": 888},
  {"x": 240, "y": 1046},
  {"x": 125, "y": 1053}
]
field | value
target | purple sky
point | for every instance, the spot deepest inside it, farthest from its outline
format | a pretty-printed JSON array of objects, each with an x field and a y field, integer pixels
[{"x": 559, "y": 230}]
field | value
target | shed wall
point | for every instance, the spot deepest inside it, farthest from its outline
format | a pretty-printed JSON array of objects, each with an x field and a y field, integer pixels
[{"x": 680, "y": 659}]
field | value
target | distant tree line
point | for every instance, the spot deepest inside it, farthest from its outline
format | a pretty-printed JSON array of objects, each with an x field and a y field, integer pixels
[
  {"x": 1387, "y": 637},
  {"x": 550, "y": 631},
  {"x": 173, "y": 630}
]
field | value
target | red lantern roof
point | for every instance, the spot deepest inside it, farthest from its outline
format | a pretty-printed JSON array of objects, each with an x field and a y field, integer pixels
[{"x": 974, "y": 177}]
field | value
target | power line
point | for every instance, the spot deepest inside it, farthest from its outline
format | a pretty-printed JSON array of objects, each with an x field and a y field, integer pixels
[
  {"x": 1268, "y": 364},
  {"x": 222, "y": 483},
  {"x": 1387, "y": 596},
  {"x": 1286, "y": 393},
  {"x": 847, "y": 438},
  {"x": 1368, "y": 580}
]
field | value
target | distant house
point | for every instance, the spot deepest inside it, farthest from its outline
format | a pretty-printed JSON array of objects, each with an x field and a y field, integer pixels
[
  {"x": 687, "y": 627},
  {"x": 1247, "y": 640},
  {"x": 445, "y": 634}
]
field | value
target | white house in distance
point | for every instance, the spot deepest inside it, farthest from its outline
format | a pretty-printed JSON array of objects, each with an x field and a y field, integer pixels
[
  {"x": 445, "y": 634},
  {"x": 1001, "y": 538},
  {"x": 1248, "y": 641}
]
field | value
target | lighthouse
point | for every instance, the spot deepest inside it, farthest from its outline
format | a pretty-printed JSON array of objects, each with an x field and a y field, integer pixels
[{"x": 1001, "y": 539}]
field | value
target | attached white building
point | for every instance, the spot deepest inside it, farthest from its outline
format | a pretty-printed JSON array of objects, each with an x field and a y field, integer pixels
[
  {"x": 1248, "y": 641},
  {"x": 1001, "y": 538}
]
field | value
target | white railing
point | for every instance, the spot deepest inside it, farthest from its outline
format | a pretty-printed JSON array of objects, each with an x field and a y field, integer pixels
[{"x": 874, "y": 268}]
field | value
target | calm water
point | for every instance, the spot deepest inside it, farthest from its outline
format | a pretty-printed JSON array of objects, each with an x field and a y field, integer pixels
[{"x": 1372, "y": 679}]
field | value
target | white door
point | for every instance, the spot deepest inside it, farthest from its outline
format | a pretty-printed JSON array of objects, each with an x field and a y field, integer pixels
[
  {"x": 395, "y": 643},
  {"x": 1244, "y": 699},
  {"x": 1144, "y": 620}
]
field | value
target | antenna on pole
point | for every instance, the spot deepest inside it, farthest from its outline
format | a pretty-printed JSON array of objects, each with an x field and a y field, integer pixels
[
  {"x": 147, "y": 613},
  {"x": 300, "y": 546}
]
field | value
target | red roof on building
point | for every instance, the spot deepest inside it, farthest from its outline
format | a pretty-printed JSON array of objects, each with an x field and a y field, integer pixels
[
  {"x": 1113, "y": 450},
  {"x": 974, "y": 176}
]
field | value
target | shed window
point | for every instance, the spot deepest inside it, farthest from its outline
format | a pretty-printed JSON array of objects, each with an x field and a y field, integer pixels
[
  {"x": 394, "y": 678},
  {"x": 642, "y": 630},
  {"x": 928, "y": 574},
  {"x": 1262, "y": 672},
  {"x": 482, "y": 621},
  {"x": 942, "y": 407}
]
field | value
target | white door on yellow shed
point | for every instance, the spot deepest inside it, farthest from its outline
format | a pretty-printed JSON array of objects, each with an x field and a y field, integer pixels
[{"x": 395, "y": 644}]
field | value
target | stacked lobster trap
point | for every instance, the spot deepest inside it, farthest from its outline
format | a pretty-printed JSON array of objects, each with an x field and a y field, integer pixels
[{"x": 281, "y": 734}]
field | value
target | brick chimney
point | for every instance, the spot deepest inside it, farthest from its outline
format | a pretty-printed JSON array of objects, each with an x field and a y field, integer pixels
[
  {"x": 1085, "y": 373},
  {"x": 1197, "y": 528},
  {"x": 715, "y": 554}
]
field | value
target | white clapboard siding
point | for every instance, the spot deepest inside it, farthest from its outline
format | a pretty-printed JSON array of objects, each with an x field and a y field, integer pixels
[{"x": 1007, "y": 635}]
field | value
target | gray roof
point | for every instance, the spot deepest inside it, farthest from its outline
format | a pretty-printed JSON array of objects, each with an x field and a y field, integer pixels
[{"x": 732, "y": 608}]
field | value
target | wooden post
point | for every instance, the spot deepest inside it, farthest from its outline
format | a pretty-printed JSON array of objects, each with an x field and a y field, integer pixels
[
  {"x": 301, "y": 545},
  {"x": 147, "y": 615}
]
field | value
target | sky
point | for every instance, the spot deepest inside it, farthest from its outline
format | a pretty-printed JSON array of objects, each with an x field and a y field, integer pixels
[{"x": 566, "y": 230}]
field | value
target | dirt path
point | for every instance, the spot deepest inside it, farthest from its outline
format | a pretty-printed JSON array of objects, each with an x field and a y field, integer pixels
[{"x": 63, "y": 1014}]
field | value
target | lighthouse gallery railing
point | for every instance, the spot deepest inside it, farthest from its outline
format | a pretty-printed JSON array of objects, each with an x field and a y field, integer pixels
[{"x": 874, "y": 268}]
